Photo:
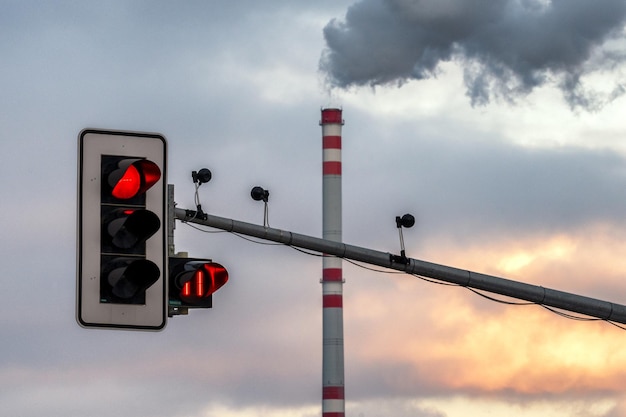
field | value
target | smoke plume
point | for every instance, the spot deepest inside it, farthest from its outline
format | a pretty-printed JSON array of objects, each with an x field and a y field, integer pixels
[{"x": 506, "y": 47}]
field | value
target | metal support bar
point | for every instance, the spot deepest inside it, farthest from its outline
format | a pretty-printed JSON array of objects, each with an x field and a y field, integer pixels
[
  {"x": 171, "y": 250},
  {"x": 536, "y": 294},
  {"x": 171, "y": 224}
]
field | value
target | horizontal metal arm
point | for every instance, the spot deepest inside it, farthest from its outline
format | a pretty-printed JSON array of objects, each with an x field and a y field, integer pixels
[{"x": 536, "y": 294}]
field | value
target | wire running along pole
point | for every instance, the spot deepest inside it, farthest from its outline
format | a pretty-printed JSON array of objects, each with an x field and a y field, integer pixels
[{"x": 592, "y": 307}]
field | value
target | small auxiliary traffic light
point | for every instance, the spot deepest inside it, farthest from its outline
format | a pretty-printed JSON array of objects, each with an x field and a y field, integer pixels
[{"x": 192, "y": 282}]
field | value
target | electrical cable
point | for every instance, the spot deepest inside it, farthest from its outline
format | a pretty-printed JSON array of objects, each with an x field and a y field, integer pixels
[
  {"x": 196, "y": 197},
  {"x": 477, "y": 292},
  {"x": 233, "y": 233},
  {"x": 202, "y": 230}
]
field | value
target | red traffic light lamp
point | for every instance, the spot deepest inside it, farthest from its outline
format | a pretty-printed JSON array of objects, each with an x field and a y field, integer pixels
[{"x": 133, "y": 177}]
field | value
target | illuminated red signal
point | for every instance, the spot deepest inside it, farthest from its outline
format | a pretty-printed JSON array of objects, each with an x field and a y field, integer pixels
[
  {"x": 127, "y": 186},
  {"x": 203, "y": 282},
  {"x": 193, "y": 281},
  {"x": 133, "y": 177},
  {"x": 196, "y": 287}
]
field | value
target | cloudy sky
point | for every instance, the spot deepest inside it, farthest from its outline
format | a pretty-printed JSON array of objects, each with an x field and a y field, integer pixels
[{"x": 499, "y": 125}]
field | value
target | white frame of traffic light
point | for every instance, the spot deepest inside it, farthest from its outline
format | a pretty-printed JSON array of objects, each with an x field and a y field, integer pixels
[{"x": 90, "y": 312}]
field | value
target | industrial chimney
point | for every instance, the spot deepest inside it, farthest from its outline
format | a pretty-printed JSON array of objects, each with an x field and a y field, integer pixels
[{"x": 333, "y": 399}]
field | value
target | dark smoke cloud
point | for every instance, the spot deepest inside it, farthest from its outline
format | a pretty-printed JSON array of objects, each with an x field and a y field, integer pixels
[{"x": 506, "y": 47}]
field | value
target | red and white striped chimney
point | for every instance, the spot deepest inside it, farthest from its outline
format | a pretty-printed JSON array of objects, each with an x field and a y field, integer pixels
[{"x": 333, "y": 399}]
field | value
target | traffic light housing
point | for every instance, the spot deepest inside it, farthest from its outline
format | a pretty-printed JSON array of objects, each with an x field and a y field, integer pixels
[
  {"x": 122, "y": 224},
  {"x": 193, "y": 281}
]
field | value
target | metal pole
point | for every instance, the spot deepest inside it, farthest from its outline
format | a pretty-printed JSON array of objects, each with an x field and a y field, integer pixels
[
  {"x": 536, "y": 294},
  {"x": 171, "y": 250},
  {"x": 171, "y": 224}
]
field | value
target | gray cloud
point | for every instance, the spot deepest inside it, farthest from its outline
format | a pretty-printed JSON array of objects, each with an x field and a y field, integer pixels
[
  {"x": 198, "y": 73},
  {"x": 507, "y": 48}
]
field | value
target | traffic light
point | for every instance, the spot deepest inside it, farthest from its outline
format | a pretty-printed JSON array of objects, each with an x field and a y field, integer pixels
[
  {"x": 122, "y": 223},
  {"x": 192, "y": 282}
]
